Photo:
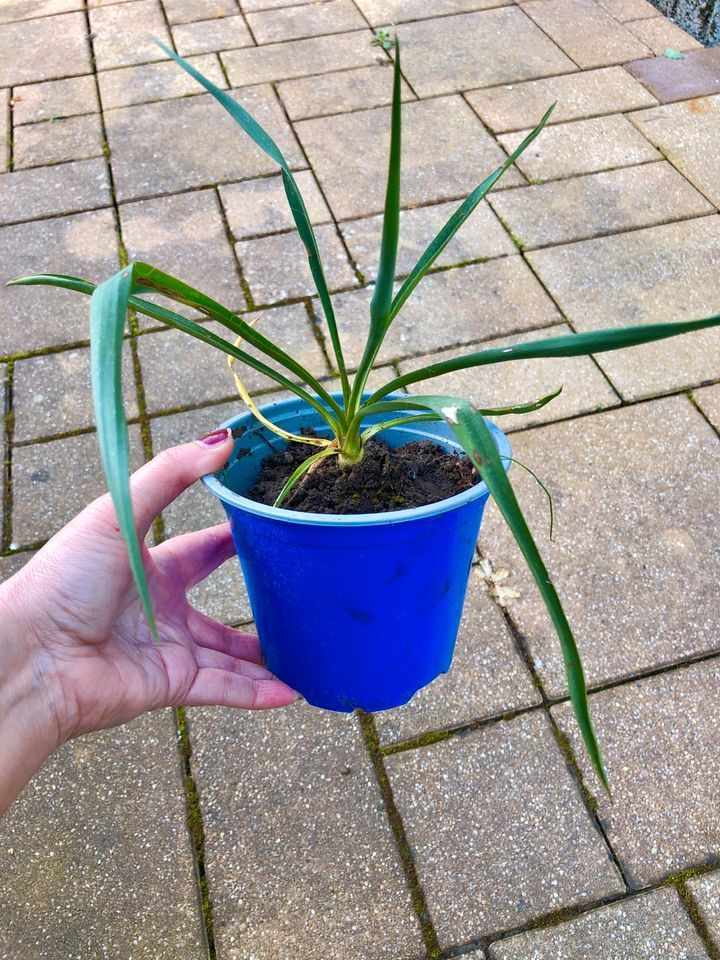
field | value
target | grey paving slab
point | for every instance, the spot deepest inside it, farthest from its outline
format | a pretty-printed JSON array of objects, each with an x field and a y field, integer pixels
[
  {"x": 214, "y": 148},
  {"x": 598, "y": 204},
  {"x": 475, "y": 302},
  {"x": 467, "y": 51},
  {"x": 660, "y": 35},
  {"x": 50, "y": 47},
  {"x": 156, "y": 81},
  {"x": 586, "y": 32},
  {"x": 480, "y": 238},
  {"x": 706, "y": 893},
  {"x": 647, "y": 276},
  {"x": 309, "y": 20},
  {"x": 54, "y": 481},
  {"x": 497, "y": 828},
  {"x": 255, "y": 208},
  {"x": 517, "y": 106},
  {"x": 684, "y": 132},
  {"x": 697, "y": 75},
  {"x": 585, "y": 390},
  {"x": 83, "y": 245},
  {"x": 10, "y": 565},
  {"x": 46, "y": 191},
  {"x": 583, "y": 146},
  {"x": 352, "y": 148},
  {"x": 122, "y": 32},
  {"x": 4, "y": 130},
  {"x": 299, "y": 58},
  {"x": 658, "y": 739},
  {"x": 225, "y": 33},
  {"x": 55, "y": 141},
  {"x": 312, "y": 800},
  {"x": 187, "y": 11},
  {"x": 95, "y": 855},
  {"x": 487, "y": 676},
  {"x": 54, "y": 98},
  {"x": 708, "y": 399},
  {"x": 624, "y": 10},
  {"x": 635, "y": 564},
  {"x": 13, "y": 10},
  {"x": 382, "y": 12},
  {"x": 341, "y": 92},
  {"x": 647, "y": 927}
]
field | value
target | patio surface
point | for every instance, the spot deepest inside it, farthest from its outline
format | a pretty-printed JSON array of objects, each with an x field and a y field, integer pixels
[{"x": 467, "y": 823}]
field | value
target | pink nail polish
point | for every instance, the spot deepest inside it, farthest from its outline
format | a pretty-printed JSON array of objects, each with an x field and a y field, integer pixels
[{"x": 214, "y": 438}]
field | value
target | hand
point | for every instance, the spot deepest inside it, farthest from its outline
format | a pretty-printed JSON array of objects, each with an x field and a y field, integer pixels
[{"x": 77, "y": 653}]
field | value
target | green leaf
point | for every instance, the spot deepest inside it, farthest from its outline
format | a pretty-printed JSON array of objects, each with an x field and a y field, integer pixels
[
  {"x": 471, "y": 430},
  {"x": 674, "y": 54},
  {"x": 301, "y": 471},
  {"x": 384, "y": 406}
]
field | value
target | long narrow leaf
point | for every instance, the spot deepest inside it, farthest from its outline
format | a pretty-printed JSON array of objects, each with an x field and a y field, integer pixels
[
  {"x": 385, "y": 406},
  {"x": 471, "y": 430}
]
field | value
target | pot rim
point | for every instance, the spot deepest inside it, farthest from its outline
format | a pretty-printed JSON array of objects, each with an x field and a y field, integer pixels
[{"x": 226, "y": 495}]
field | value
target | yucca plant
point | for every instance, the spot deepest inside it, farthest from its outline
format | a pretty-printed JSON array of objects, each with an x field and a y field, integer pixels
[{"x": 345, "y": 420}]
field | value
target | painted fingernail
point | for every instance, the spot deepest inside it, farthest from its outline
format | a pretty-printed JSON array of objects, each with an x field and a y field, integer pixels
[{"x": 214, "y": 438}]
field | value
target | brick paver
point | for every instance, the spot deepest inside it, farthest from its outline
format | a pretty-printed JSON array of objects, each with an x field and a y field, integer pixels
[{"x": 466, "y": 822}]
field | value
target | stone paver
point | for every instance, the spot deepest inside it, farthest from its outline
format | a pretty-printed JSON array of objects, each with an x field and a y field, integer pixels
[
  {"x": 647, "y": 276},
  {"x": 660, "y": 35},
  {"x": 9, "y": 566},
  {"x": 498, "y": 829},
  {"x": 684, "y": 132},
  {"x": 598, "y": 204},
  {"x": 309, "y": 20},
  {"x": 480, "y": 238},
  {"x": 312, "y": 799},
  {"x": 206, "y": 36},
  {"x": 187, "y": 11},
  {"x": 99, "y": 846},
  {"x": 4, "y": 130},
  {"x": 647, "y": 927},
  {"x": 13, "y": 10},
  {"x": 52, "y": 47},
  {"x": 256, "y": 208},
  {"x": 55, "y": 141},
  {"x": 585, "y": 390},
  {"x": 708, "y": 399},
  {"x": 83, "y": 245},
  {"x": 706, "y": 893},
  {"x": 139, "y": 137},
  {"x": 635, "y": 564},
  {"x": 156, "y": 81},
  {"x": 54, "y": 98},
  {"x": 517, "y": 106},
  {"x": 341, "y": 92},
  {"x": 352, "y": 148},
  {"x": 584, "y": 146},
  {"x": 657, "y": 737},
  {"x": 624, "y": 10},
  {"x": 46, "y": 191},
  {"x": 122, "y": 31},
  {"x": 487, "y": 676},
  {"x": 381, "y": 12},
  {"x": 696, "y": 76},
  {"x": 462, "y": 52}
]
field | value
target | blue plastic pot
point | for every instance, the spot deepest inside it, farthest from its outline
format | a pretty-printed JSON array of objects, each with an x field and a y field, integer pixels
[{"x": 352, "y": 610}]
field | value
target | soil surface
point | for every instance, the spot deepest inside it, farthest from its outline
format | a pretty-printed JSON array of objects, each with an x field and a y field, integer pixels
[{"x": 385, "y": 479}]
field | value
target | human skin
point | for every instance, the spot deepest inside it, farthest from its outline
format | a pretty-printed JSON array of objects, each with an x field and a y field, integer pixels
[{"x": 76, "y": 652}]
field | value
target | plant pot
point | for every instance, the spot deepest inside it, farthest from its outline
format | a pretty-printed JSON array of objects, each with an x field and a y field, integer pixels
[{"x": 352, "y": 610}]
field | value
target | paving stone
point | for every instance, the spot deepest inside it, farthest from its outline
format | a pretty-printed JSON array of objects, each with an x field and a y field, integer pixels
[
  {"x": 507, "y": 781},
  {"x": 54, "y": 141},
  {"x": 585, "y": 390},
  {"x": 381, "y": 12},
  {"x": 10, "y": 565},
  {"x": 143, "y": 166},
  {"x": 315, "y": 19},
  {"x": 634, "y": 567},
  {"x": 156, "y": 81},
  {"x": 83, "y": 245},
  {"x": 487, "y": 676},
  {"x": 251, "y": 5},
  {"x": 708, "y": 399},
  {"x": 471, "y": 50},
  {"x": 208, "y": 35},
  {"x": 179, "y": 370},
  {"x": 352, "y": 148},
  {"x": 4, "y": 130},
  {"x": 52, "y": 47},
  {"x": 44, "y": 191},
  {"x": 598, "y": 204},
  {"x": 648, "y": 276},
  {"x": 339, "y": 92},
  {"x": 276, "y": 268},
  {"x": 480, "y": 238},
  {"x": 697, "y": 75},
  {"x": 255, "y": 208},
  {"x": 647, "y": 927},
  {"x": 684, "y": 132},
  {"x": 55, "y": 98},
  {"x": 299, "y": 58},
  {"x": 187, "y": 11},
  {"x": 660, "y": 35},
  {"x": 122, "y": 31},
  {"x": 585, "y": 146},
  {"x": 624, "y": 10},
  {"x": 313, "y": 797},
  {"x": 658, "y": 732},
  {"x": 13, "y": 10},
  {"x": 95, "y": 854},
  {"x": 475, "y": 302},
  {"x": 518, "y": 106},
  {"x": 54, "y": 481},
  {"x": 586, "y": 32},
  {"x": 706, "y": 893}
]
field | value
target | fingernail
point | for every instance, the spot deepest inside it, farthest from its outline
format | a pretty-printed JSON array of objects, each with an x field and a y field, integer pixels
[{"x": 214, "y": 438}]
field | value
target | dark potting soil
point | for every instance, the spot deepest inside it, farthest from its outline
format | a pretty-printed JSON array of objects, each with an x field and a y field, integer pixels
[{"x": 386, "y": 478}]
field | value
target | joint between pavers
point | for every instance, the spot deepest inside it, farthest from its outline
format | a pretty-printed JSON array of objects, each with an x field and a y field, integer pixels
[
  {"x": 697, "y": 921},
  {"x": 240, "y": 273}
]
